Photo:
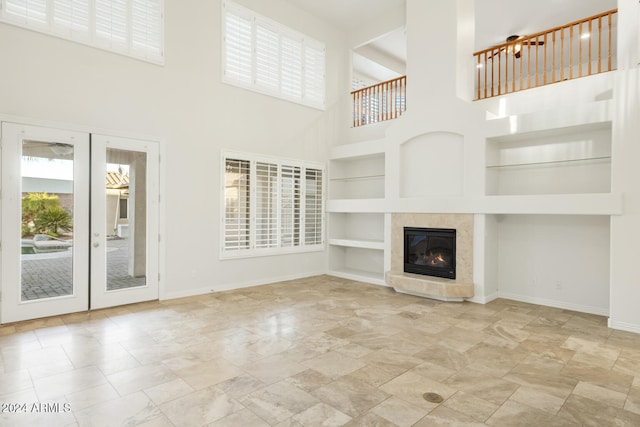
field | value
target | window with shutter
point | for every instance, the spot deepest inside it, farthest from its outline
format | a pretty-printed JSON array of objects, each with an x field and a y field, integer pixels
[
  {"x": 313, "y": 207},
  {"x": 267, "y": 64},
  {"x": 271, "y": 206},
  {"x": 111, "y": 23},
  {"x": 71, "y": 16},
  {"x": 237, "y": 204},
  {"x": 31, "y": 13},
  {"x": 290, "y": 206},
  {"x": 314, "y": 70},
  {"x": 146, "y": 28},
  {"x": 267, "y": 57},
  {"x": 130, "y": 27},
  {"x": 238, "y": 47},
  {"x": 291, "y": 54},
  {"x": 266, "y": 205}
]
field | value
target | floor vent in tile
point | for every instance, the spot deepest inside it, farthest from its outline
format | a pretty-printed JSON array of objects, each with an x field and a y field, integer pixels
[{"x": 432, "y": 397}]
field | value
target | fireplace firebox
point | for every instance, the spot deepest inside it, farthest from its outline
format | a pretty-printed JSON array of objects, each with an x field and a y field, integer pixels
[{"x": 430, "y": 251}]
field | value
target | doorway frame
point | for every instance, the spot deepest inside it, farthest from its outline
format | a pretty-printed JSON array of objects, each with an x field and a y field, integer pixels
[{"x": 75, "y": 127}]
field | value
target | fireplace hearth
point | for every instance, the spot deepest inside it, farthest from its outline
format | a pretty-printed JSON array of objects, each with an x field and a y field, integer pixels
[{"x": 430, "y": 251}]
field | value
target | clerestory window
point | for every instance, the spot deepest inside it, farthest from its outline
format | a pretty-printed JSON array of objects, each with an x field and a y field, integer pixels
[
  {"x": 264, "y": 56},
  {"x": 131, "y": 27}
]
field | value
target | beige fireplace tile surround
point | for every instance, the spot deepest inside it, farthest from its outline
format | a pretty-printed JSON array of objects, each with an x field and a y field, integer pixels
[{"x": 434, "y": 287}]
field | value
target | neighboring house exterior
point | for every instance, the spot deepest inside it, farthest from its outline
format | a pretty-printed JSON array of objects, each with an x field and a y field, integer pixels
[{"x": 117, "y": 204}]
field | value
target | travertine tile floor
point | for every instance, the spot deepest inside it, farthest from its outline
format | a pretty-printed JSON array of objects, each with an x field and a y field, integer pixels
[{"x": 319, "y": 351}]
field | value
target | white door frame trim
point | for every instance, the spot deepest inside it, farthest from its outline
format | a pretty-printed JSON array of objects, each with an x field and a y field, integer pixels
[{"x": 162, "y": 145}]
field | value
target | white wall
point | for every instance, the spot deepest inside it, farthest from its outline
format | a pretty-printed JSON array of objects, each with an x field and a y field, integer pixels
[
  {"x": 625, "y": 229},
  {"x": 432, "y": 165},
  {"x": 556, "y": 260},
  {"x": 184, "y": 104}
]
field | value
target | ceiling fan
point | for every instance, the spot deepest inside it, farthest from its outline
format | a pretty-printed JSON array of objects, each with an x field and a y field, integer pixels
[{"x": 517, "y": 46}]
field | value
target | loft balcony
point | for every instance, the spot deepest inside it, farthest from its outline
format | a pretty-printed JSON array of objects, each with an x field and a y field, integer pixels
[
  {"x": 379, "y": 102},
  {"x": 577, "y": 49}
]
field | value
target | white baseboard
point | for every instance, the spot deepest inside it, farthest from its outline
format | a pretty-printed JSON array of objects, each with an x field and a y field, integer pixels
[
  {"x": 556, "y": 304},
  {"x": 483, "y": 299},
  {"x": 624, "y": 326},
  {"x": 232, "y": 286}
]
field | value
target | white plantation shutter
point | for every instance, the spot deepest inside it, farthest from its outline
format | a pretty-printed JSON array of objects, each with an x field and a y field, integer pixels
[
  {"x": 237, "y": 204},
  {"x": 71, "y": 17},
  {"x": 238, "y": 49},
  {"x": 26, "y": 12},
  {"x": 314, "y": 74},
  {"x": 267, "y": 64},
  {"x": 266, "y": 205},
  {"x": 290, "y": 206},
  {"x": 271, "y": 206},
  {"x": 131, "y": 27},
  {"x": 291, "y": 59},
  {"x": 313, "y": 207},
  {"x": 146, "y": 28},
  {"x": 111, "y": 23},
  {"x": 270, "y": 58}
]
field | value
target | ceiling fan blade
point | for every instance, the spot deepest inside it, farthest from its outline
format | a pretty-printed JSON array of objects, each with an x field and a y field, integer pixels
[{"x": 497, "y": 53}]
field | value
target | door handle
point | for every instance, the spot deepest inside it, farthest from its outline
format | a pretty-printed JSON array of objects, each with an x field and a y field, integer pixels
[{"x": 96, "y": 244}]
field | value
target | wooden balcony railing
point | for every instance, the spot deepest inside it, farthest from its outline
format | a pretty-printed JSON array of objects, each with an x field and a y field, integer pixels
[
  {"x": 380, "y": 102},
  {"x": 577, "y": 49}
]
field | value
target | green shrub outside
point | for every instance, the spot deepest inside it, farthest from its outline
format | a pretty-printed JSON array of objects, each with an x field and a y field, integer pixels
[{"x": 41, "y": 213}]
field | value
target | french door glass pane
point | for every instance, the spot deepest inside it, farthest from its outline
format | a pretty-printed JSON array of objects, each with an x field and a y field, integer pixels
[
  {"x": 47, "y": 220},
  {"x": 126, "y": 211}
]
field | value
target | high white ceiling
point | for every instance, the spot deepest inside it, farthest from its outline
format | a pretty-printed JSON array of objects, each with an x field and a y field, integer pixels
[
  {"x": 498, "y": 19},
  {"x": 347, "y": 14},
  {"x": 495, "y": 19}
]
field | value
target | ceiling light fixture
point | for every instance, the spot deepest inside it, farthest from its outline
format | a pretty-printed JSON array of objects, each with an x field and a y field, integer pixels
[{"x": 62, "y": 149}]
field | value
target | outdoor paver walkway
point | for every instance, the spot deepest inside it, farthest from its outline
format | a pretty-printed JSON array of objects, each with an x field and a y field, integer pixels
[{"x": 50, "y": 275}]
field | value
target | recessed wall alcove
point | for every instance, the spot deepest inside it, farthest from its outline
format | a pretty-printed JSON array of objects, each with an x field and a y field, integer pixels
[
  {"x": 431, "y": 164},
  {"x": 434, "y": 287}
]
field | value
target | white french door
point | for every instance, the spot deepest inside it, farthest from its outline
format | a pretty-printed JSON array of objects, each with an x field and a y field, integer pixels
[
  {"x": 124, "y": 221},
  {"x": 79, "y": 222}
]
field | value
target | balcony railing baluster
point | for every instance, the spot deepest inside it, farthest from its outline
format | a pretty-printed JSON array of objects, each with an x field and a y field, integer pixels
[
  {"x": 380, "y": 102},
  {"x": 554, "y": 59}
]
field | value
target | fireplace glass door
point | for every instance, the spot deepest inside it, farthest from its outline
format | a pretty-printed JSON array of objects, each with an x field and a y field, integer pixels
[{"x": 430, "y": 251}]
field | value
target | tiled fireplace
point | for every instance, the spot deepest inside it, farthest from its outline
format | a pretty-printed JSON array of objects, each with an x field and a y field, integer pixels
[{"x": 423, "y": 284}]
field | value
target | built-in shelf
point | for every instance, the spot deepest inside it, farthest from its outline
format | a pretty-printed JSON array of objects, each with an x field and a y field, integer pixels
[
  {"x": 552, "y": 162},
  {"x": 348, "y": 258},
  {"x": 359, "y": 149},
  {"x": 569, "y": 160},
  {"x": 535, "y": 204},
  {"x": 365, "y": 244},
  {"x": 357, "y": 205},
  {"x": 356, "y": 246},
  {"x": 358, "y": 177}
]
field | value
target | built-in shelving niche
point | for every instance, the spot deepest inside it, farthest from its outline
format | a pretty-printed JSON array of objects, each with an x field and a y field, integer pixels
[
  {"x": 356, "y": 245},
  {"x": 360, "y": 177},
  {"x": 572, "y": 160},
  {"x": 356, "y": 263}
]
